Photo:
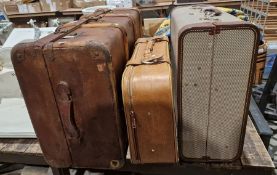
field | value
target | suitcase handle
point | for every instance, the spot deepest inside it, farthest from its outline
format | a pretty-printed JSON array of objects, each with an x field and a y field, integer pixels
[
  {"x": 69, "y": 27},
  {"x": 214, "y": 11},
  {"x": 149, "y": 57},
  {"x": 150, "y": 45},
  {"x": 96, "y": 15},
  {"x": 65, "y": 105}
]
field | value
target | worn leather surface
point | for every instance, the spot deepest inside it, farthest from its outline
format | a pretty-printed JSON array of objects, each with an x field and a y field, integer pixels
[
  {"x": 71, "y": 85},
  {"x": 35, "y": 86},
  {"x": 148, "y": 103},
  {"x": 129, "y": 19}
]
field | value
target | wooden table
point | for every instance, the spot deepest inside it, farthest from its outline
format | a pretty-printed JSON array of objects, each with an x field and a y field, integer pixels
[{"x": 255, "y": 159}]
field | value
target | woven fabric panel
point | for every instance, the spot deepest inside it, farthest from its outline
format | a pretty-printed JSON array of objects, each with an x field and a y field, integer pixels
[
  {"x": 233, "y": 51},
  {"x": 215, "y": 77},
  {"x": 196, "y": 74}
]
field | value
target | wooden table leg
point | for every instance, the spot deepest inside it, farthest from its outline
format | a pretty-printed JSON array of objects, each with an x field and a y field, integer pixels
[{"x": 60, "y": 171}]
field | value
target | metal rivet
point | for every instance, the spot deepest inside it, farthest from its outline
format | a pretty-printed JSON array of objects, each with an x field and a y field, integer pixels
[
  {"x": 19, "y": 57},
  {"x": 153, "y": 150},
  {"x": 115, "y": 164},
  {"x": 132, "y": 113}
]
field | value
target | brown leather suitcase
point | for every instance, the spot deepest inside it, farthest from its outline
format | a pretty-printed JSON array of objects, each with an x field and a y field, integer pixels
[
  {"x": 70, "y": 81},
  {"x": 215, "y": 55},
  {"x": 148, "y": 103}
]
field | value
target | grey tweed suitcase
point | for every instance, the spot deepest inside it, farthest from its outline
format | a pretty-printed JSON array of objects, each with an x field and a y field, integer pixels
[{"x": 214, "y": 55}]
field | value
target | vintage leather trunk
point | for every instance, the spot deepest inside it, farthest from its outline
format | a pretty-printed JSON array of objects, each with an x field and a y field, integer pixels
[
  {"x": 215, "y": 57},
  {"x": 71, "y": 81},
  {"x": 148, "y": 103}
]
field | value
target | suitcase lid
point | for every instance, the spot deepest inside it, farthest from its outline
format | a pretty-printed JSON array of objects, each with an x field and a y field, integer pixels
[{"x": 199, "y": 15}]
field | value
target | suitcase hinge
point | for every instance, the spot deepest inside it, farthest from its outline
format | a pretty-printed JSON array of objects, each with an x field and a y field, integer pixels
[
  {"x": 215, "y": 30},
  {"x": 133, "y": 119},
  {"x": 135, "y": 137}
]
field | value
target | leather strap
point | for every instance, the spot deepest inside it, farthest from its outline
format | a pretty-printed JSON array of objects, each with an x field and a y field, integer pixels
[
  {"x": 70, "y": 27},
  {"x": 98, "y": 12},
  {"x": 148, "y": 56},
  {"x": 156, "y": 38}
]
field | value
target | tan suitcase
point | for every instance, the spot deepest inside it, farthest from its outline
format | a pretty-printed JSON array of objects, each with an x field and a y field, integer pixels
[
  {"x": 148, "y": 103},
  {"x": 215, "y": 54}
]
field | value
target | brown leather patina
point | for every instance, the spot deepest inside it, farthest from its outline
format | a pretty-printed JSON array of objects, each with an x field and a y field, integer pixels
[
  {"x": 148, "y": 103},
  {"x": 70, "y": 81}
]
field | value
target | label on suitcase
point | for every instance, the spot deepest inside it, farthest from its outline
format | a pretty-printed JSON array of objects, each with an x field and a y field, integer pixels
[
  {"x": 148, "y": 103},
  {"x": 214, "y": 54}
]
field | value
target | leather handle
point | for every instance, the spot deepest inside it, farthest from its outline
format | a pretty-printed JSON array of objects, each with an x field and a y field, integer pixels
[
  {"x": 97, "y": 14},
  {"x": 69, "y": 27},
  {"x": 213, "y": 10},
  {"x": 65, "y": 105},
  {"x": 149, "y": 57},
  {"x": 102, "y": 11},
  {"x": 149, "y": 48},
  {"x": 150, "y": 44}
]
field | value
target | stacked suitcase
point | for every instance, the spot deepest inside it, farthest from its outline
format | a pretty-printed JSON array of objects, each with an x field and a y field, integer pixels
[
  {"x": 193, "y": 106},
  {"x": 148, "y": 103},
  {"x": 214, "y": 55},
  {"x": 71, "y": 80}
]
